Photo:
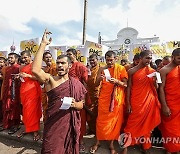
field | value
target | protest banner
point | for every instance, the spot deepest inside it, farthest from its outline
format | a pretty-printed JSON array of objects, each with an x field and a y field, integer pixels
[{"x": 32, "y": 45}]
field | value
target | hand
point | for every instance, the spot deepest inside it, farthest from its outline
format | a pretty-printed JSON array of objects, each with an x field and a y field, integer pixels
[
  {"x": 166, "y": 111},
  {"x": 113, "y": 81},
  {"x": 24, "y": 75},
  {"x": 77, "y": 105},
  {"x": 16, "y": 76},
  {"x": 45, "y": 39},
  {"x": 102, "y": 77},
  {"x": 129, "y": 109},
  {"x": 73, "y": 103}
]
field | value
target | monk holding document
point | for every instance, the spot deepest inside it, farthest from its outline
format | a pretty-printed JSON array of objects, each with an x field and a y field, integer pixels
[
  {"x": 65, "y": 99},
  {"x": 113, "y": 80},
  {"x": 170, "y": 100},
  {"x": 30, "y": 93},
  {"x": 142, "y": 102}
]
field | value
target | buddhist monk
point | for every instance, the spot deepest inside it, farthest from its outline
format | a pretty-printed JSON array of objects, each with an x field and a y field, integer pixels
[
  {"x": 93, "y": 92},
  {"x": 142, "y": 102},
  {"x": 111, "y": 101},
  {"x": 51, "y": 69},
  {"x": 30, "y": 93},
  {"x": 136, "y": 60},
  {"x": 79, "y": 72},
  {"x": 10, "y": 94},
  {"x": 170, "y": 100},
  {"x": 166, "y": 60},
  {"x": 2, "y": 64},
  {"x": 62, "y": 126}
]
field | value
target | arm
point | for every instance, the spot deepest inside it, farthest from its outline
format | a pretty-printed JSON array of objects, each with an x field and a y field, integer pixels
[
  {"x": 99, "y": 77},
  {"x": 25, "y": 75},
  {"x": 36, "y": 67},
  {"x": 165, "y": 109},
  {"x": 122, "y": 83},
  {"x": 128, "y": 92}
]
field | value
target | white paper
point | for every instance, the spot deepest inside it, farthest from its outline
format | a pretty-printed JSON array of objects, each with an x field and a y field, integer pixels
[
  {"x": 22, "y": 80},
  {"x": 89, "y": 72},
  {"x": 151, "y": 75},
  {"x": 66, "y": 103},
  {"x": 157, "y": 75},
  {"x": 107, "y": 74}
]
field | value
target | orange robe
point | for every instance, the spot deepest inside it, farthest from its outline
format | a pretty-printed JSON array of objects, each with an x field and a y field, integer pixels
[
  {"x": 80, "y": 72},
  {"x": 145, "y": 106},
  {"x": 51, "y": 70},
  {"x": 170, "y": 126},
  {"x": 93, "y": 92},
  {"x": 30, "y": 93},
  {"x": 108, "y": 122}
]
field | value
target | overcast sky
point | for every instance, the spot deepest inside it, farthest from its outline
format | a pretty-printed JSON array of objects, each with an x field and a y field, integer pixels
[{"x": 22, "y": 19}]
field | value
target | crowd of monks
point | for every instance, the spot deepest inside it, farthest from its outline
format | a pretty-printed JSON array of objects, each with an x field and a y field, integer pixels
[{"x": 127, "y": 101}]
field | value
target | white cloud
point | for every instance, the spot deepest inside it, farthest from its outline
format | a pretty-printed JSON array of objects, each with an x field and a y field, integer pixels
[
  {"x": 149, "y": 17},
  {"x": 16, "y": 14},
  {"x": 64, "y": 40}
]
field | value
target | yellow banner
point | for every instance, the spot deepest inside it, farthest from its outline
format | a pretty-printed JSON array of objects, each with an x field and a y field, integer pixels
[{"x": 32, "y": 45}]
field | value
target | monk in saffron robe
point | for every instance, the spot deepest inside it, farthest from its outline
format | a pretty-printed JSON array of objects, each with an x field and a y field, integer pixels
[
  {"x": 142, "y": 102},
  {"x": 30, "y": 93},
  {"x": 79, "y": 72},
  {"x": 10, "y": 95},
  {"x": 136, "y": 60},
  {"x": 170, "y": 100},
  {"x": 51, "y": 69},
  {"x": 62, "y": 127},
  {"x": 93, "y": 92},
  {"x": 110, "y": 103}
]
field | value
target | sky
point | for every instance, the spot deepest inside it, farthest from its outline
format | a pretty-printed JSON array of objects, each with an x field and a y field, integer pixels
[{"x": 23, "y": 20}]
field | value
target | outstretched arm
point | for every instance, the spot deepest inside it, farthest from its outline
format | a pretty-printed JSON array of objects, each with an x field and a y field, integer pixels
[{"x": 37, "y": 64}]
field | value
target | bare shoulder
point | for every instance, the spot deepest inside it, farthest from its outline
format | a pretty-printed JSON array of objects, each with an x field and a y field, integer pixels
[
  {"x": 131, "y": 71},
  {"x": 51, "y": 83},
  {"x": 166, "y": 69}
]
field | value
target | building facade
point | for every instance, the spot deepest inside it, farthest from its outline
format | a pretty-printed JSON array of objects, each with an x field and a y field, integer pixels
[{"x": 128, "y": 40}]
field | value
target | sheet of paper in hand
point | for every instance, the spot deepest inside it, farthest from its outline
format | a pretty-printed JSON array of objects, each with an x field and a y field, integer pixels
[
  {"x": 157, "y": 75},
  {"x": 22, "y": 80},
  {"x": 107, "y": 74},
  {"x": 66, "y": 103}
]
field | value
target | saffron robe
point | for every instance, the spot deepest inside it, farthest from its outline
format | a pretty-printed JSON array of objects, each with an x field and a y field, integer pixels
[
  {"x": 11, "y": 97},
  {"x": 62, "y": 127},
  {"x": 145, "y": 106},
  {"x": 92, "y": 102},
  {"x": 170, "y": 126},
  {"x": 108, "y": 122},
  {"x": 30, "y": 93},
  {"x": 51, "y": 70},
  {"x": 80, "y": 72}
]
